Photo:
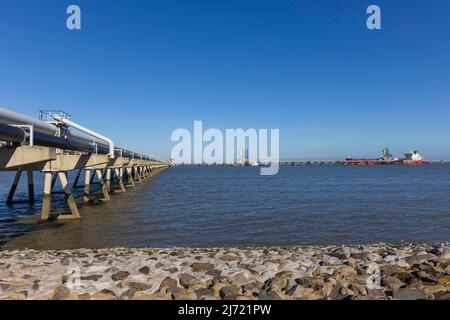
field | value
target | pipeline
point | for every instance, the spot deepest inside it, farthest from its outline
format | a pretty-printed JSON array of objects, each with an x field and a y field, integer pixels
[{"x": 45, "y": 135}]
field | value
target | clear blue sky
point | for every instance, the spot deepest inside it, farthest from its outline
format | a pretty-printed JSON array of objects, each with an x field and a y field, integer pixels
[{"x": 139, "y": 69}]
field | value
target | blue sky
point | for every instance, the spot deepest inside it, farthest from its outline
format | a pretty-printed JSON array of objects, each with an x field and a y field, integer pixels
[{"x": 140, "y": 69}]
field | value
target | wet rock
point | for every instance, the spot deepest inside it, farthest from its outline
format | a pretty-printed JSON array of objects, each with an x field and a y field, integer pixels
[{"x": 409, "y": 294}]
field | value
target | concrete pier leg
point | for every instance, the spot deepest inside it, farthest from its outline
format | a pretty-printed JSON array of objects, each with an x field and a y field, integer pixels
[
  {"x": 92, "y": 178},
  {"x": 130, "y": 177},
  {"x": 138, "y": 175},
  {"x": 12, "y": 191},
  {"x": 69, "y": 197},
  {"x": 30, "y": 186},
  {"x": 108, "y": 179},
  {"x": 87, "y": 183},
  {"x": 119, "y": 174},
  {"x": 54, "y": 176},
  {"x": 102, "y": 183},
  {"x": 47, "y": 197},
  {"x": 75, "y": 183}
]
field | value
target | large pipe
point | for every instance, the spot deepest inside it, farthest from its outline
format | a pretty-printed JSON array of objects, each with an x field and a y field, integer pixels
[
  {"x": 89, "y": 132},
  {"x": 45, "y": 134},
  {"x": 17, "y": 135}
]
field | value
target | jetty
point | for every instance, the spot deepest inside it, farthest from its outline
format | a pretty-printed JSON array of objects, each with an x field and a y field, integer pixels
[{"x": 55, "y": 145}]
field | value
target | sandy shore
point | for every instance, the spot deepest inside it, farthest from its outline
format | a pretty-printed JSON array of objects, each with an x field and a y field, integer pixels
[{"x": 380, "y": 271}]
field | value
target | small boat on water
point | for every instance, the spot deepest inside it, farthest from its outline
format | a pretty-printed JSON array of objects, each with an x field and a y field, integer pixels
[
  {"x": 411, "y": 158},
  {"x": 254, "y": 164}
]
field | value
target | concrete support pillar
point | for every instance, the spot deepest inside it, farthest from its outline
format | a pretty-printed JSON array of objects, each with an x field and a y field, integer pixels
[
  {"x": 87, "y": 183},
  {"x": 130, "y": 177},
  {"x": 12, "y": 191},
  {"x": 119, "y": 174},
  {"x": 47, "y": 197},
  {"x": 75, "y": 183},
  {"x": 30, "y": 186},
  {"x": 69, "y": 197},
  {"x": 137, "y": 174},
  {"x": 108, "y": 179},
  {"x": 102, "y": 183},
  {"x": 54, "y": 176}
]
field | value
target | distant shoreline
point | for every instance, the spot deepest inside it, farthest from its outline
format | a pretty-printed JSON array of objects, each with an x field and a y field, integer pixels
[{"x": 357, "y": 272}]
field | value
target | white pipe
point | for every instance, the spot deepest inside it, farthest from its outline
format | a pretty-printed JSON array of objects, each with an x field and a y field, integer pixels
[{"x": 89, "y": 132}]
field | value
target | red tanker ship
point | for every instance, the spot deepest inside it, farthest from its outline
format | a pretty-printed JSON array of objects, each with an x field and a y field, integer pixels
[{"x": 412, "y": 158}]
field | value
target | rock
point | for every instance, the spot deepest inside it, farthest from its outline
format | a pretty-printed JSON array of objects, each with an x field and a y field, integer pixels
[
  {"x": 360, "y": 255},
  {"x": 94, "y": 277},
  {"x": 84, "y": 296},
  {"x": 128, "y": 294},
  {"x": 229, "y": 257},
  {"x": 419, "y": 258},
  {"x": 287, "y": 274},
  {"x": 139, "y": 286},
  {"x": 277, "y": 282},
  {"x": 186, "y": 279},
  {"x": 444, "y": 280},
  {"x": 183, "y": 294},
  {"x": 409, "y": 294},
  {"x": 168, "y": 282},
  {"x": 345, "y": 271},
  {"x": 299, "y": 292},
  {"x": 430, "y": 289},
  {"x": 391, "y": 282},
  {"x": 389, "y": 270},
  {"x": 252, "y": 286},
  {"x": 229, "y": 292},
  {"x": 204, "y": 292},
  {"x": 61, "y": 293},
  {"x": 144, "y": 270},
  {"x": 217, "y": 287},
  {"x": 442, "y": 296},
  {"x": 270, "y": 295},
  {"x": 214, "y": 273},
  {"x": 405, "y": 277},
  {"x": 111, "y": 293},
  {"x": 202, "y": 267},
  {"x": 310, "y": 282},
  {"x": 120, "y": 276}
]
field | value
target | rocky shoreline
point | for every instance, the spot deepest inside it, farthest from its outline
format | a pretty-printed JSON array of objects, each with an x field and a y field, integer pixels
[{"x": 366, "y": 272}]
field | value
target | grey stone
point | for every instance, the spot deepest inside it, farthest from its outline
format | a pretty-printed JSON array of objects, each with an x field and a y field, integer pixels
[
  {"x": 120, "y": 275},
  {"x": 409, "y": 294}
]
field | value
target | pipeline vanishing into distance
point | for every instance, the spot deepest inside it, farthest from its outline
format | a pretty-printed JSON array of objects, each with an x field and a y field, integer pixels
[{"x": 45, "y": 135}]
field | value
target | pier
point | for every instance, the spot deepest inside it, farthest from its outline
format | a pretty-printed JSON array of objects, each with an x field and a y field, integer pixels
[{"x": 48, "y": 145}]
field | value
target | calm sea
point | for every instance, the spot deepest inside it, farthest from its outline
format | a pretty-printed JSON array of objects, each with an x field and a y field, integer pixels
[{"x": 228, "y": 206}]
